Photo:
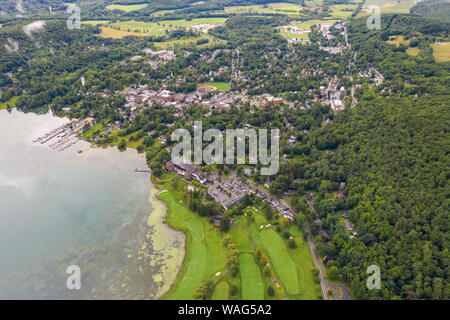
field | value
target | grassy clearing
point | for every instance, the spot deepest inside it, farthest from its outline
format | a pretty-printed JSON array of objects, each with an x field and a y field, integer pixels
[
  {"x": 205, "y": 254},
  {"x": 441, "y": 51},
  {"x": 252, "y": 284},
  {"x": 11, "y": 102},
  {"x": 304, "y": 262},
  {"x": 269, "y": 240},
  {"x": 221, "y": 291},
  {"x": 397, "y": 40},
  {"x": 95, "y": 22},
  {"x": 128, "y": 7},
  {"x": 413, "y": 51}
]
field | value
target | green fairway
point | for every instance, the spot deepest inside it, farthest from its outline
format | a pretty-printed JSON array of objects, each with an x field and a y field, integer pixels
[
  {"x": 269, "y": 240},
  {"x": 302, "y": 257},
  {"x": 221, "y": 291},
  {"x": 252, "y": 285},
  {"x": 205, "y": 254},
  {"x": 342, "y": 11}
]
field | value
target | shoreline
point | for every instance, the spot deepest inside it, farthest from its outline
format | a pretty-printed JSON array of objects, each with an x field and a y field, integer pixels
[{"x": 182, "y": 269}]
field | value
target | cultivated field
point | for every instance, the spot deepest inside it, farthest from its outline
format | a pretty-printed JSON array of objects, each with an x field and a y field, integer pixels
[
  {"x": 127, "y": 8},
  {"x": 221, "y": 291},
  {"x": 218, "y": 86},
  {"x": 252, "y": 284},
  {"x": 441, "y": 51}
]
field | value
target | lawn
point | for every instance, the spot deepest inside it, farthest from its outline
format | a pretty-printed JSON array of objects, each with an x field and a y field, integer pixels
[
  {"x": 220, "y": 86},
  {"x": 252, "y": 284},
  {"x": 221, "y": 291},
  {"x": 95, "y": 22},
  {"x": 285, "y": 269},
  {"x": 413, "y": 51},
  {"x": 118, "y": 34},
  {"x": 441, "y": 51},
  {"x": 205, "y": 254},
  {"x": 93, "y": 131},
  {"x": 242, "y": 240},
  {"x": 127, "y": 8},
  {"x": 397, "y": 40}
]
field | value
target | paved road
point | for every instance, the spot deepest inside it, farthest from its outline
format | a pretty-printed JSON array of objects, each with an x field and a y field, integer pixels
[{"x": 323, "y": 281}]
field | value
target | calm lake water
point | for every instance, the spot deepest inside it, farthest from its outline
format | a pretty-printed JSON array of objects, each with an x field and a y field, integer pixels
[{"x": 88, "y": 209}]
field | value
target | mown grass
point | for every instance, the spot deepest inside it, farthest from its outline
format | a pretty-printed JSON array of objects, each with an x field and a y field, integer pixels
[
  {"x": 285, "y": 269},
  {"x": 293, "y": 267},
  {"x": 302, "y": 257},
  {"x": 221, "y": 291},
  {"x": 205, "y": 254},
  {"x": 252, "y": 284},
  {"x": 221, "y": 86},
  {"x": 118, "y": 34}
]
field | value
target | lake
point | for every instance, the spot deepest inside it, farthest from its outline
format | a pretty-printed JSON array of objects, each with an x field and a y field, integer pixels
[{"x": 88, "y": 209}]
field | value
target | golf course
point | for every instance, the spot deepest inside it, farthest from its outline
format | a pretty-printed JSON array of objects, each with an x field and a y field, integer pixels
[{"x": 265, "y": 268}]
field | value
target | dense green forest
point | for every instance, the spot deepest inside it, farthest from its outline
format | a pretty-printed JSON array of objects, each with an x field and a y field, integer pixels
[
  {"x": 432, "y": 9},
  {"x": 391, "y": 150},
  {"x": 393, "y": 153}
]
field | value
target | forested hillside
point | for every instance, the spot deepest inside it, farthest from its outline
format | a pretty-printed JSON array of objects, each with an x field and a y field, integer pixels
[
  {"x": 432, "y": 9},
  {"x": 394, "y": 155}
]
